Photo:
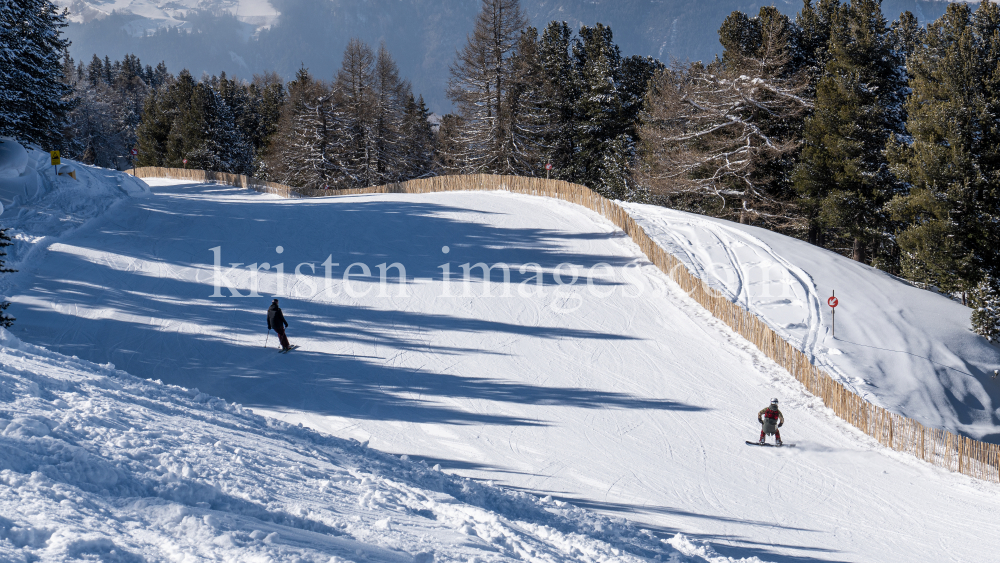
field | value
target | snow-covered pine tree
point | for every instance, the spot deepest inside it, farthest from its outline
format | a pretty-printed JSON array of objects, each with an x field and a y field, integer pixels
[
  {"x": 225, "y": 145},
  {"x": 599, "y": 109},
  {"x": 91, "y": 133},
  {"x": 616, "y": 171},
  {"x": 985, "y": 302},
  {"x": 561, "y": 98},
  {"x": 36, "y": 98},
  {"x": 101, "y": 129},
  {"x": 842, "y": 174},
  {"x": 306, "y": 150},
  {"x": 951, "y": 159},
  {"x": 530, "y": 120},
  {"x": 243, "y": 101}
]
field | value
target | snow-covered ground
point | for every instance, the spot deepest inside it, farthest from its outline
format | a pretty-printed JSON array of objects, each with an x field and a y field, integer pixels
[
  {"x": 98, "y": 465},
  {"x": 907, "y": 349},
  {"x": 41, "y": 202},
  {"x": 622, "y": 396}
]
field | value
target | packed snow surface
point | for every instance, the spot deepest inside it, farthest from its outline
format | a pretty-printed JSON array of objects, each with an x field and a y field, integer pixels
[
  {"x": 98, "y": 465},
  {"x": 620, "y": 395},
  {"x": 907, "y": 349}
]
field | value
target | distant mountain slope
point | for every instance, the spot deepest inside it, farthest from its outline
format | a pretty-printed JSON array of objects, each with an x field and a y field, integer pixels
[{"x": 242, "y": 37}]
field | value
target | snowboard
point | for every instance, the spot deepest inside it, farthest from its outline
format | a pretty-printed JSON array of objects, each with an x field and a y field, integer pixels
[
  {"x": 749, "y": 443},
  {"x": 290, "y": 348}
]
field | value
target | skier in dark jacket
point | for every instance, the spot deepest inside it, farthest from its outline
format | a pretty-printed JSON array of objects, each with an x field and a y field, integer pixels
[
  {"x": 277, "y": 321},
  {"x": 771, "y": 419}
]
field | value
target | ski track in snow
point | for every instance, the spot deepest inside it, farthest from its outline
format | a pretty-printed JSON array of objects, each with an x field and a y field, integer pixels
[
  {"x": 906, "y": 349},
  {"x": 632, "y": 407},
  {"x": 683, "y": 235}
]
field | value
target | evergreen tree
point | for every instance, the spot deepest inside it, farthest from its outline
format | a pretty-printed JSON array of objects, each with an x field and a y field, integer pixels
[
  {"x": 153, "y": 130},
  {"x": 606, "y": 110},
  {"x": 186, "y": 117},
  {"x": 809, "y": 44},
  {"x": 951, "y": 161},
  {"x": 528, "y": 117},
  {"x": 10, "y": 98},
  {"x": 225, "y": 149},
  {"x": 985, "y": 302},
  {"x": 95, "y": 71},
  {"x": 599, "y": 109},
  {"x": 35, "y": 94},
  {"x": 843, "y": 174},
  {"x": 561, "y": 98},
  {"x": 101, "y": 129},
  {"x": 270, "y": 90},
  {"x": 418, "y": 139},
  {"x": 449, "y": 144},
  {"x": 305, "y": 151}
]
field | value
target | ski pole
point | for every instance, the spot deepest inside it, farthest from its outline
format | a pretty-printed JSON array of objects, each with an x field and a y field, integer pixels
[{"x": 268, "y": 336}]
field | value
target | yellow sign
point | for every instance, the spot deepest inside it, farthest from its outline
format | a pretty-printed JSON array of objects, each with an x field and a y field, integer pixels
[{"x": 55, "y": 157}]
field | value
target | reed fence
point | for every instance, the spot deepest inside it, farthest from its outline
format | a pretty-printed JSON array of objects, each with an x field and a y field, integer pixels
[{"x": 938, "y": 447}]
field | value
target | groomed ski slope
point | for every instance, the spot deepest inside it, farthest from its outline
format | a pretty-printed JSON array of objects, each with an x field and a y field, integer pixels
[
  {"x": 98, "y": 465},
  {"x": 624, "y": 397}
]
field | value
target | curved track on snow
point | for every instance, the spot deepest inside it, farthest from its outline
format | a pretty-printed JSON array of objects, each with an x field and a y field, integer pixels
[{"x": 624, "y": 396}]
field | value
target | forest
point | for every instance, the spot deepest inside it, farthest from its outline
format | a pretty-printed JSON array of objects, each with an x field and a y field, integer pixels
[{"x": 875, "y": 138}]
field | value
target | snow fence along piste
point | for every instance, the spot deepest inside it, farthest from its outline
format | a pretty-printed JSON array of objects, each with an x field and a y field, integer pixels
[{"x": 938, "y": 447}]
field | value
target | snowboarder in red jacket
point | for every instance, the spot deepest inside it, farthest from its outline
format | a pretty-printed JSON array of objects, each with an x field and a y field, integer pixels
[
  {"x": 276, "y": 320},
  {"x": 771, "y": 419}
]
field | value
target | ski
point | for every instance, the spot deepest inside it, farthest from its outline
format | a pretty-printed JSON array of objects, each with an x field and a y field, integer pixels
[{"x": 290, "y": 348}]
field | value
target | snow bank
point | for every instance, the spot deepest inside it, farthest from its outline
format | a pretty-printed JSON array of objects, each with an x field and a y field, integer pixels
[
  {"x": 906, "y": 349},
  {"x": 98, "y": 464},
  {"x": 41, "y": 202}
]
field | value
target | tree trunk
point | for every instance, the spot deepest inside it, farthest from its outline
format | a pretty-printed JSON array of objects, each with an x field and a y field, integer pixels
[{"x": 859, "y": 251}]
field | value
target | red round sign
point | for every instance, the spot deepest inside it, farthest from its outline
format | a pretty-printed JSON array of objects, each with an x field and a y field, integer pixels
[
  {"x": 548, "y": 166},
  {"x": 832, "y": 302},
  {"x": 185, "y": 161},
  {"x": 135, "y": 152}
]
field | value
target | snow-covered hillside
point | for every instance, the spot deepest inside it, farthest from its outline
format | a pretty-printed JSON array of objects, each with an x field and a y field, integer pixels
[
  {"x": 621, "y": 396},
  {"x": 907, "y": 349},
  {"x": 41, "y": 202}
]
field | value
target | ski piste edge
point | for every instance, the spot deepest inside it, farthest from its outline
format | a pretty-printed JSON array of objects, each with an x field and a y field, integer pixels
[{"x": 749, "y": 443}]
